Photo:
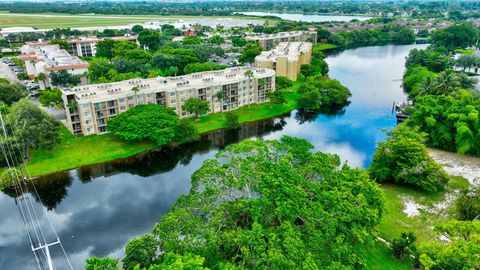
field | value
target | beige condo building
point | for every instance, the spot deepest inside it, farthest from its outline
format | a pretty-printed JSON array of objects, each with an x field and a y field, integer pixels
[
  {"x": 89, "y": 107},
  {"x": 286, "y": 59},
  {"x": 268, "y": 41}
]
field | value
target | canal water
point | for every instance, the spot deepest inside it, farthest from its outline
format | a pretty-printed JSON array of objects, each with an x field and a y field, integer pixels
[
  {"x": 308, "y": 17},
  {"x": 97, "y": 209}
]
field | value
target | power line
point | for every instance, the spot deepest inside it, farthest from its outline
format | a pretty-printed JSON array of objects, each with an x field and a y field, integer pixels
[{"x": 21, "y": 177}]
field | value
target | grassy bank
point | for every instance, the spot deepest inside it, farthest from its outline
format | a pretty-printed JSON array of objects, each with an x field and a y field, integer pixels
[
  {"x": 426, "y": 209},
  {"x": 76, "y": 151},
  {"x": 380, "y": 257}
]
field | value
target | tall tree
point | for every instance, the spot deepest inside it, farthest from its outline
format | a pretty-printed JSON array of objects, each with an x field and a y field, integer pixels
[
  {"x": 32, "y": 126},
  {"x": 151, "y": 122},
  {"x": 10, "y": 93},
  {"x": 105, "y": 49},
  {"x": 196, "y": 106},
  {"x": 274, "y": 204}
]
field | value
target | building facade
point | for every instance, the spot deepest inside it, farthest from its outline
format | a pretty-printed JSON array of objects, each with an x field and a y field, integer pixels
[
  {"x": 89, "y": 107},
  {"x": 87, "y": 47},
  {"x": 268, "y": 41},
  {"x": 286, "y": 59},
  {"x": 44, "y": 58}
]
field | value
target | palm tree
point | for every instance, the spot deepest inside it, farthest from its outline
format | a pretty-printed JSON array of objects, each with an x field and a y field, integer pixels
[
  {"x": 446, "y": 82},
  {"x": 220, "y": 97},
  {"x": 135, "y": 90},
  {"x": 248, "y": 74}
]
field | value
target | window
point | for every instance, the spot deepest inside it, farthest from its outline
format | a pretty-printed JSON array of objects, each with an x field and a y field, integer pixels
[
  {"x": 87, "y": 113},
  {"x": 130, "y": 98},
  {"x": 86, "y": 105},
  {"x": 182, "y": 93},
  {"x": 182, "y": 99},
  {"x": 190, "y": 91},
  {"x": 139, "y": 97},
  {"x": 88, "y": 122},
  {"x": 130, "y": 106},
  {"x": 149, "y": 95},
  {"x": 172, "y": 94},
  {"x": 89, "y": 130},
  {"x": 121, "y": 100},
  {"x": 173, "y": 101}
]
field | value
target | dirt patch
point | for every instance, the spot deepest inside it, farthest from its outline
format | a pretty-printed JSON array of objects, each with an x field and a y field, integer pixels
[{"x": 458, "y": 165}]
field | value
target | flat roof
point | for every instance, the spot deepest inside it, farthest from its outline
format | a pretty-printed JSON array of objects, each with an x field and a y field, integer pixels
[
  {"x": 95, "y": 39},
  {"x": 291, "y": 50},
  {"x": 277, "y": 35},
  {"x": 54, "y": 57},
  {"x": 115, "y": 90}
]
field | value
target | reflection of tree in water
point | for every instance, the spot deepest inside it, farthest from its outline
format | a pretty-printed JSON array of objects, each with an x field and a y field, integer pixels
[
  {"x": 309, "y": 116},
  {"x": 166, "y": 159},
  {"x": 52, "y": 189}
]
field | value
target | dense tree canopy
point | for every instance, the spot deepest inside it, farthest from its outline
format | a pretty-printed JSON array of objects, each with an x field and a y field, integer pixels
[
  {"x": 149, "y": 39},
  {"x": 460, "y": 251},
  {"x": 33, "y": 127},
  {"x": 468, "y": 203},
  {"x": 322, "y": 92},
  {"x": 455, "y": 36},
  {"x": 51, "y": 98},
  {"x": 152, "y": 122},
  {"x": 105, "y": 49},
  {"x": 251, "y": 50},
  {"x": 433, "y": 60},
  {"x": 10, "y": 93},
  {"x": 450, "y": 121},
  {"x": 196, "y": 106},
  {"x": 404, "y": 159},
  {"x": 63, "y": 78},
  {"x": 273, "y": 204}
]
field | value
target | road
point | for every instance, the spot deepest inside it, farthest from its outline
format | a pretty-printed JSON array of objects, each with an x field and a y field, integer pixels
[{"x": 7, "y": 73}]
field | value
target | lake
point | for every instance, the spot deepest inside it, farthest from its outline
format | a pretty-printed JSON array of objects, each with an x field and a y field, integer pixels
[
  {"x": 97, "y": 209},
  {"x": 308, "y": 17}
]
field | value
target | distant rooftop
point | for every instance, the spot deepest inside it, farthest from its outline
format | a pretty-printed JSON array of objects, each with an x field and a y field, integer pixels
[
  {"x": 95, "y": 39},
  {"x": 54, "y": 57},
  {"x": 290, "y": 49},
  {"x": 277, "y": 35},
  {"x": 109, "y": 91}
]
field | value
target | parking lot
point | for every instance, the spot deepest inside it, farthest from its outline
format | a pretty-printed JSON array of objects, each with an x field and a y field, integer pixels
[{"x": 7, "y": 72}]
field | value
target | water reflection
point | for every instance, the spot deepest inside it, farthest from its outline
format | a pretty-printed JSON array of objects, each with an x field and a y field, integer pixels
[{"x": 97, "y": 209}]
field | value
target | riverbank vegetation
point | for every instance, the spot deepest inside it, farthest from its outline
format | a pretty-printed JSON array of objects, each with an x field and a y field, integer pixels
[
  {"x": 444, "y": 115},
  {"x": 266, "y": 205}
]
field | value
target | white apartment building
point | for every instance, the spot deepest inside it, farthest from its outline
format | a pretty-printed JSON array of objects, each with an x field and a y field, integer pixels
[
  {"x": 286, "y": 59},
  {"x": 87, "y": 47},
  {"x": 44, "y": 58},
  {"x": 268, "y": 41},
  {"x": 95, "y": 104}
]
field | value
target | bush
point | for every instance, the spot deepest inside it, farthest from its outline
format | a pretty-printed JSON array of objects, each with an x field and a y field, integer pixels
[
  {"x": 152, "y": 122},
  {"x": 468, "y": 204},
  {"x": 404, "y": 159},
  {"x": 185, "y": 132},
  {"x": 404, "y": 245},
  {"x": 232, "y": 120}
]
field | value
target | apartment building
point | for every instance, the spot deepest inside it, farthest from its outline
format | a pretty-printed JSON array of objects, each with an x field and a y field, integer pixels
[
  {"x": 44, "y": 58},
  {"x": 89, "y": 107},
  {"x": 268, "y": 41},
  {"x": 286, "y": 58},
  {"x": 87, "y": 47}
]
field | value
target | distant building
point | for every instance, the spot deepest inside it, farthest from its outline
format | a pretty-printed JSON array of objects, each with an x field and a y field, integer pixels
[
  {"x": 268, "y": 41},
  {"x": 19, "y": 30},
  {"x": 96, "y": 103},
  {"x": 87, "y": 47},
  {"x": 286, "y": 58},
  {"x": 44, "y": 58}
]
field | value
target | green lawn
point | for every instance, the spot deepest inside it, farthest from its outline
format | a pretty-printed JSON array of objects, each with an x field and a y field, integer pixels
[
  {"x": 53, "y": 20},
  {"x": 380, "y": 257},
  {"x": 395, "y": 221},
  {"x": 76, "y": 151}
]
